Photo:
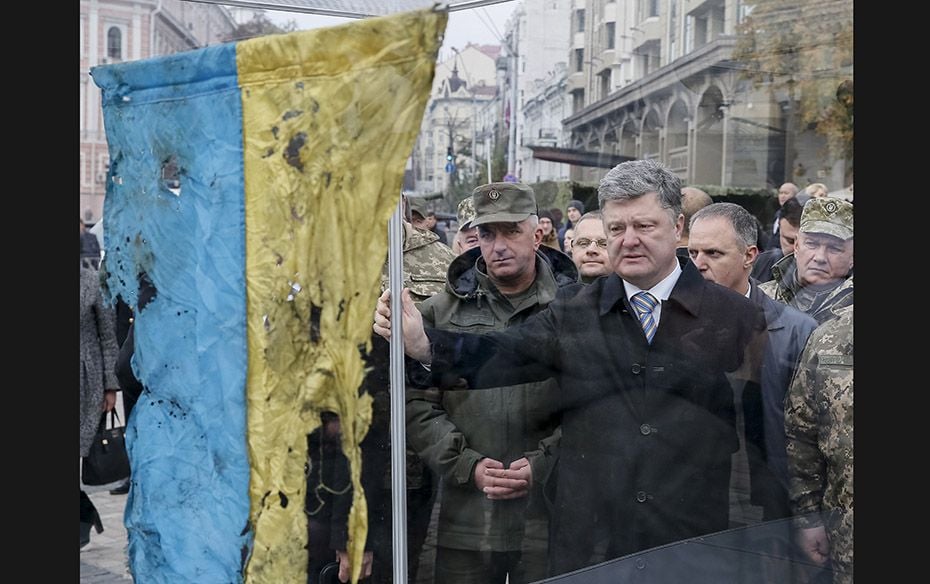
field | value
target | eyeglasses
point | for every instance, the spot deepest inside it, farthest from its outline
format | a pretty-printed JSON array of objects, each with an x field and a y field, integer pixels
[{"x": 584, "y": 242}]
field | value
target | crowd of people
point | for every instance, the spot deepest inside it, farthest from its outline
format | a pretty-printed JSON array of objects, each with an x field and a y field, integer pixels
[
  {"x": 660, "y": 368},
  {"x": 690, "y": 397}
]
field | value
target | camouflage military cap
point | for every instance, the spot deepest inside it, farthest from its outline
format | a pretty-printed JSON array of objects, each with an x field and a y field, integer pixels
[
  {"x": 465, "y": 214},
  {"x": 828, "y": 215},
  {"x": 417, "y": 205},
  {"x": 503, "y": 202}
]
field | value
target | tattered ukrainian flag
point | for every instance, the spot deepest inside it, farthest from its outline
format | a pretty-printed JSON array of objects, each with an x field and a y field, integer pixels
[{"x": 252, "y": 182}]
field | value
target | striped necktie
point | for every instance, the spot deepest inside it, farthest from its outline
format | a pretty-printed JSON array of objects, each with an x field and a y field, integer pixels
[{"x": 644, "y": 303}]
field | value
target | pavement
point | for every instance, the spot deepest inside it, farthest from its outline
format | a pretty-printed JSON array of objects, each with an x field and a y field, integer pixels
[{"x": 104, "y": 559}]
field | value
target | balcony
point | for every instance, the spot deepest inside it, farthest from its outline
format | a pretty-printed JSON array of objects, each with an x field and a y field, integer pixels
[
  {"x": 574, "y": 81},
  {"x": 678, "y": 160},
  {"x": 647, "y": 30}
]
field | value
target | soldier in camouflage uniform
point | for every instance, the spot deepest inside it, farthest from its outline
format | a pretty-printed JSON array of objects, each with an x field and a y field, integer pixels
[
  {"x": 425, "y": 260},
  {"x": 467, "y": 235},
  {"x": 819, "y": 428},
  {"x": 817, "y": 278}
]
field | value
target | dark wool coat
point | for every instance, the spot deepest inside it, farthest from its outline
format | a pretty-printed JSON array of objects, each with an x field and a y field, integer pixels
[{"x": 98, "y": 355}]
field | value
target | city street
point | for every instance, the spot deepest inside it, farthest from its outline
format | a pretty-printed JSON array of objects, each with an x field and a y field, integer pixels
[{"x": 103, "y": 560}]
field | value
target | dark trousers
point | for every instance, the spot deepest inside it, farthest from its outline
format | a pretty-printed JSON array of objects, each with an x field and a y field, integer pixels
[
  {"x": 454, "y": 566},
  {"x": 88, "y": 511}
]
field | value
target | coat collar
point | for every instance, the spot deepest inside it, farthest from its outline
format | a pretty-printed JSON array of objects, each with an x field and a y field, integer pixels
[
  {"x": 462, "y": 276},
  {"x": 687, "y": 292}
]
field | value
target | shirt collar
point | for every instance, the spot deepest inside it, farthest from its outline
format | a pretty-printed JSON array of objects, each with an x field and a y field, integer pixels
[{"x": 660, "y": 291}]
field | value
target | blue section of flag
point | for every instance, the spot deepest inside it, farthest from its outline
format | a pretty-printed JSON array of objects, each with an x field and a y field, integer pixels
[{"x": 187, "y": 513}]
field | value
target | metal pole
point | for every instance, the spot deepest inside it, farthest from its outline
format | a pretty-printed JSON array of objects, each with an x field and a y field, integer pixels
[
  {"x": 488, "y": 141},
  {"x": 398, "y": 417},
  {"x": 474, "y": 137},
  {"x": 512, "y": 154}
]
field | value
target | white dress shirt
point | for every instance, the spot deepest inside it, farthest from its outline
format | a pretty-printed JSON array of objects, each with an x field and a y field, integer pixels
[{"x": 660, "y": 291}]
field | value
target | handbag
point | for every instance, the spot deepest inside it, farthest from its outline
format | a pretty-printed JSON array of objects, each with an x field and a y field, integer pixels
[{"x": 107, "y": 461}]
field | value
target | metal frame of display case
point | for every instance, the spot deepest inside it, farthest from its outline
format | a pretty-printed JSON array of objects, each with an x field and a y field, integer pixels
[{"x": 353, "y": 8}]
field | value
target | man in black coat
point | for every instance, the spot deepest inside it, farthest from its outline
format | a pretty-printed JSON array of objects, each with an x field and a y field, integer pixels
[
  {"x": 789, "y": 222},
  {"x": 648, "y": 422}
]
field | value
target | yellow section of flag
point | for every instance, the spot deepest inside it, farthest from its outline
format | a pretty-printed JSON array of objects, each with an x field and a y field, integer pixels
[{"x": 330, "y": 117}]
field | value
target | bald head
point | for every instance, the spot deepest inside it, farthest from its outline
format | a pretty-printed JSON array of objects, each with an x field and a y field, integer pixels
[
  {"x": 786, "y": 191},
  {"x": 692, "y": 201}
]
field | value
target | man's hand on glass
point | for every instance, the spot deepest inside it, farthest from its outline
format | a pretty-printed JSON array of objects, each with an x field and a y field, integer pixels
[
  {"x": 814, "y": 544},
  {"x": 416, "y": 343}
]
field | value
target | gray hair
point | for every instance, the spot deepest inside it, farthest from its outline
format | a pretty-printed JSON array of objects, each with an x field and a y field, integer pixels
[
  {"x": 635, "y": 178},
  {"x": 589, "y": 215},
  {"x": 743, "y": 223},
  {"x": 791, "y": 186}
]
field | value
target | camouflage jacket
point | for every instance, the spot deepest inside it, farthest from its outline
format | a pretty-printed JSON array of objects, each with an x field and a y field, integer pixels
[
  {"x": 819, "y": 430},
  {"x": 785, "y": 286},
  {"x": 426, "y": 260}
]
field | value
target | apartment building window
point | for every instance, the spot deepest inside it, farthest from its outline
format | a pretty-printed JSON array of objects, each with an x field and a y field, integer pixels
[
  {"x": 604, "y": 80},
  {"x": 650, "y": 54},
  {"x": 653, "y": 8},
  {"x": 742, "y": 11},
  {"x": 673, "y": 30},
  {"x": 115, "y": 43},
  {"x": 579, "y": 60},
  {"x": 610, "y": 30},
  {"x": 85, "y": 175},
  {"x": 577, "y": 100},
  {"x": 707, "y": 23},
  {"x": 579, "y": 20},
  {"x": 689, "y": 34}
]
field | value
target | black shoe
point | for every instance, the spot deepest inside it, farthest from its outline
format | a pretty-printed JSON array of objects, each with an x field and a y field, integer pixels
[
  {"x": 122, "y": 489},
  {"x": 89, "y": 518},
  {"x": 89, "y": 514},
  {"x": 85, "y": 530}
]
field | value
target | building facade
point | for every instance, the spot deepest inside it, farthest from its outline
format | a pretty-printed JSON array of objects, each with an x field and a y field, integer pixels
[
  {"x": 113, "y": 31},
  {"x": 541, "y": 40},
  {"x": 667, "y": 79},
  {"x": 460, "y": 116}
]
